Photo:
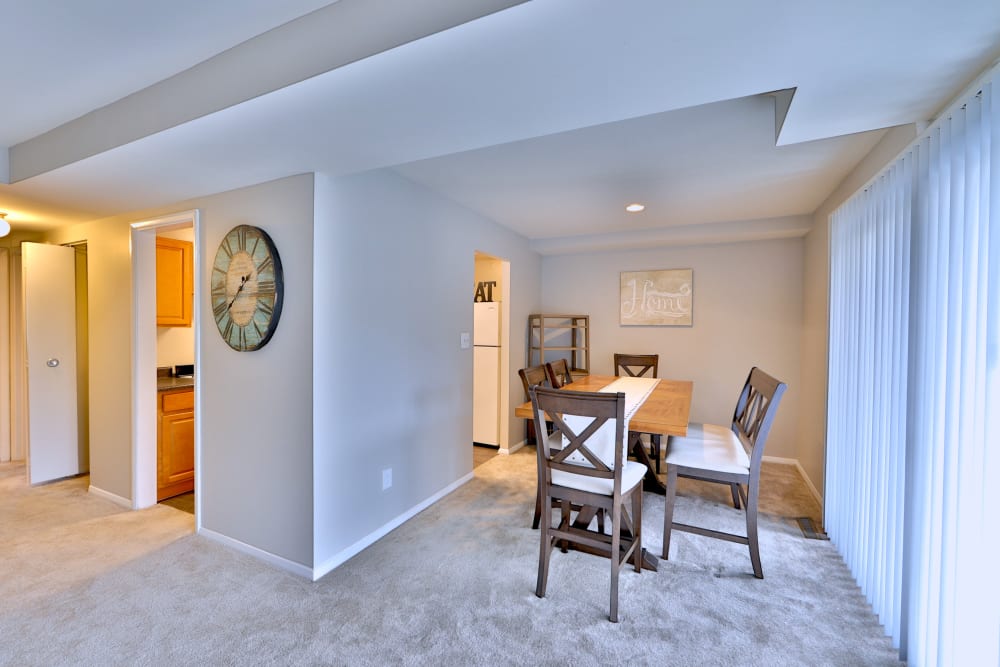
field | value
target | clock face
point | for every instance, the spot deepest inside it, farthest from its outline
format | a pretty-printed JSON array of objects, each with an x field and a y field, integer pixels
[{"x": 246, "y": 288}]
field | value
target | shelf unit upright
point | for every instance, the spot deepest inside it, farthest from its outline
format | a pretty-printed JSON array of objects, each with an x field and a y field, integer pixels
[{"x": 560, "y": 329}]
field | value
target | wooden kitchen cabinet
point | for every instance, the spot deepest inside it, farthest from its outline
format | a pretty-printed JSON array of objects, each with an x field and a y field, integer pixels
[
  {"x": 175, "y": 443},
  {"x": 174, "y": 282}
]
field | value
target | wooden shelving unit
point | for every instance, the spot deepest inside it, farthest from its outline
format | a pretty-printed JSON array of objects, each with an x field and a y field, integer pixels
[{"x": 552, "y": 337}]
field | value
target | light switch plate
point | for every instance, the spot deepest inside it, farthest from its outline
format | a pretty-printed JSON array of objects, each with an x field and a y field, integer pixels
[
  {"x": 466, "y": 340},
  {"x": 386, "y": 478}
]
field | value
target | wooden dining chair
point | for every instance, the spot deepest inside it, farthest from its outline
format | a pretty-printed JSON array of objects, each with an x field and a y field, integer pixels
[
  {"x": 638, "y": 365},
  {"x": 529, "y": 377},
  {"x": 558, "y": 373},
  {"x": 532, "y": 376},
  {"x": 726, "y": 455},
  {"x": 583, "y": 464}
]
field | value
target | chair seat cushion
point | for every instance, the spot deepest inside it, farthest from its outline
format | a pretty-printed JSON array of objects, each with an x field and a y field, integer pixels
[
  {"x": 632, "y": 474},
  {"x": 708, "y": 447}
]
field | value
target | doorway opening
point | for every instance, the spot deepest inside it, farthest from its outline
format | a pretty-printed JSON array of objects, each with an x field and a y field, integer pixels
[
  {"x": 166, "y": 434},
  {"x": 491, "y": 357},
  {"x": 175, "y": 366}
]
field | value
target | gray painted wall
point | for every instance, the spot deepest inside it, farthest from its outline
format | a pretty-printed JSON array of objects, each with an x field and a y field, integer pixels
[
  {"x": 393, "y": 280},
  {"x": 747, "y": 312},
  {"x": 256, "y": 422}
]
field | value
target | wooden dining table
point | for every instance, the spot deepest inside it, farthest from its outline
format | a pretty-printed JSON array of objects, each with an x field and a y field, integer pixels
[{"x": 665, "y": 412}]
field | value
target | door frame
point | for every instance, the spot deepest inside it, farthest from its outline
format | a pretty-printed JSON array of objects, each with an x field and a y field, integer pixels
[
  {"x": 505, "y": 446},
  {"x": 144, "y": 412}
]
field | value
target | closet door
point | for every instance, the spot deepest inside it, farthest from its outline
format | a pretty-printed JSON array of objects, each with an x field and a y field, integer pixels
[{"x": 49, "y": 283}]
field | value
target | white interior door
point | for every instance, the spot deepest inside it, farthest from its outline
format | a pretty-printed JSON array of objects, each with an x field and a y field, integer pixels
[{"x": 49, "y": 280}]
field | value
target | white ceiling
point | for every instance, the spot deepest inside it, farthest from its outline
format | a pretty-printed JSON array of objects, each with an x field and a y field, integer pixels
[
  {"x": 64, "y": 58},
  {"x": 546, "y": 117},
  {"x": 676, "y": 163}
]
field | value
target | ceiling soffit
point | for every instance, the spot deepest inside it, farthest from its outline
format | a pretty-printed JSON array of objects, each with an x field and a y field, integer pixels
[{"x": 324, "y": 40}]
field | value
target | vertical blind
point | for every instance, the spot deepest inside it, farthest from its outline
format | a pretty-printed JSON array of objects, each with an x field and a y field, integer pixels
[{"x": 913, "y": 430}]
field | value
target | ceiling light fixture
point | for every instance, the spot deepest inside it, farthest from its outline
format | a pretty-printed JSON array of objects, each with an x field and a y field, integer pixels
[
  {"x": 635, "y": 208},
  {"x": 4, "y": 225}
]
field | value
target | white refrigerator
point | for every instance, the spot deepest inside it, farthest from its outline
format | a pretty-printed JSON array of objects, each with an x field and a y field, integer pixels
[{"x": 486, "y": 373}]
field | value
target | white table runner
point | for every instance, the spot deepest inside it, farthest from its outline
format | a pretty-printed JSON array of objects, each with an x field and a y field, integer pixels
[{"x": 636, "y": 391}]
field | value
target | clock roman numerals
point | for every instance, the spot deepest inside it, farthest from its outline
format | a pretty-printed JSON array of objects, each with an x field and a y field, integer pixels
[
  {"x": 242, "y": 338},
  {"x": 246, "y": 288},
  {"x": 220, "y": 308}
]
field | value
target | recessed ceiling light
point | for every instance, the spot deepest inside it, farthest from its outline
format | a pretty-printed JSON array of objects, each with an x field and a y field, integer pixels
[{"x": 635, "y": 208}]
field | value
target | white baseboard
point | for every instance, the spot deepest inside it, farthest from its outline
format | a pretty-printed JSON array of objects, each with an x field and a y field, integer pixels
[
  {"x": 113, "y": 497},
  {"x": 778, "y": 459},
  {"x": 514, "y": 447},
  {"x": 809, "y": 483},
  {"x": 802, "y": 473},
  {"x": 266, "y": 556},
  {"x": 356, "y": 548}
]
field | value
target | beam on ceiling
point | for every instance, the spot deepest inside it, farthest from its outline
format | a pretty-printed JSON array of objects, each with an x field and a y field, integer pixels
[
  {"x": 782, "y": 102},
  {"x": 328, "y": 38}
]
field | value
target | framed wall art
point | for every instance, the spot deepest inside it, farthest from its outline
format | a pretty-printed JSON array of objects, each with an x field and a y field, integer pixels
[{"x": 657, "y": 298}]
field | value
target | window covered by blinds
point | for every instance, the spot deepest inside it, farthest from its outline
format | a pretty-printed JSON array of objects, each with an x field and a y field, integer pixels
[{"x": 913, "y": 432}]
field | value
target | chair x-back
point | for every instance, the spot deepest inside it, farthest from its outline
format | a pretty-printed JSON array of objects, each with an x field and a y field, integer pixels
[
  {"x": 726, "y": 455},
  {"x": 636, "y": 365},
  {"x": 582, "y": 465}
]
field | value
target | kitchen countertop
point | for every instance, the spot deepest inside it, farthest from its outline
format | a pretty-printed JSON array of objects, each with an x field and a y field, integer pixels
[{"x": 168, "y": 383}]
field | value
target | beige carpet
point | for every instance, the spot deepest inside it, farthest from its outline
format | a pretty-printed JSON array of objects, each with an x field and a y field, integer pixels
[{"x": 84, "y": 582}]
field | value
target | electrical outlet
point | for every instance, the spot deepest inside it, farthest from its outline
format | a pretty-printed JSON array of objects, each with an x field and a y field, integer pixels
[
  {"x": 386, "y": 478},
  {"x": 464, "y": 340}
]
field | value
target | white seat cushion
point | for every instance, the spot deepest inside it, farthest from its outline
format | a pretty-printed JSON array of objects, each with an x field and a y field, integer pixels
[
  {"x": 632, "y": 474},
  {"x": 708, "y": 447}
]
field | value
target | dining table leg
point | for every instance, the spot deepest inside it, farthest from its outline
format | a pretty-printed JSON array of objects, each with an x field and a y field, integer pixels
[{"x": 650, "y": 482}]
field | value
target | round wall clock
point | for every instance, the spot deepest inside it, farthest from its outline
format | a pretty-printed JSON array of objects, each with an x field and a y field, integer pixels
[{"x": 247, "y": 288}]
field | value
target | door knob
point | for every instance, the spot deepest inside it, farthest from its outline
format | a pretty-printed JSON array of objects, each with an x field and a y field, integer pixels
[{"x": 52, "y": 363}]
